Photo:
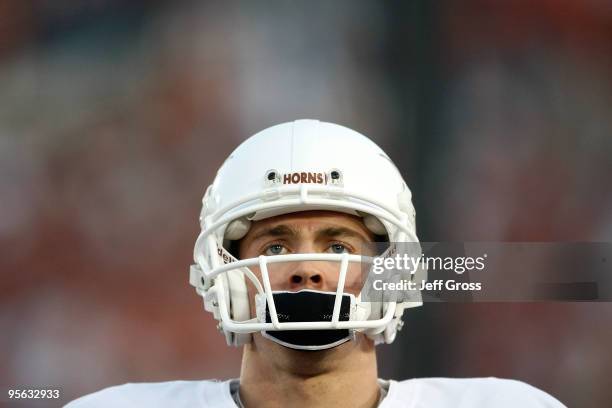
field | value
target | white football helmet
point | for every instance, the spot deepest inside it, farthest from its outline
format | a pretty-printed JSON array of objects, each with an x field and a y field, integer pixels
[{"x": 291, "y": 167}]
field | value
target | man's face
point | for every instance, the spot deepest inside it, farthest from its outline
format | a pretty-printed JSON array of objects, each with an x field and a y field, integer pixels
[{"x": 307, "y": 232}]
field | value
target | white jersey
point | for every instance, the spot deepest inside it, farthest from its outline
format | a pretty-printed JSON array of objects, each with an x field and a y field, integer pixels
[{"x": 415, "y": 393}]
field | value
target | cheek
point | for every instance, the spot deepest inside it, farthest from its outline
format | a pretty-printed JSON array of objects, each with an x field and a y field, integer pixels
[
  {"x": 279, "y": 275},
  {"x": 354, "y": 282}
]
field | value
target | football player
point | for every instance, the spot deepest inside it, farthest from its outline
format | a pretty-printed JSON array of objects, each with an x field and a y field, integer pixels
[{"x": 286, "y": 231}]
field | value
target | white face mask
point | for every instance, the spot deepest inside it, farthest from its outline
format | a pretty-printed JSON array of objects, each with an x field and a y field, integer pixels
[{"x": 306, "y": 306}]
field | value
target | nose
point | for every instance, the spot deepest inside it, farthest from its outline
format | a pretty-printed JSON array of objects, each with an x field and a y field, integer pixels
[{"x": 307, "y": 276}]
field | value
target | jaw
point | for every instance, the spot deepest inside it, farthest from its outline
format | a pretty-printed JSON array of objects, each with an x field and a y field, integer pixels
[{"x": 302, "y": 363}]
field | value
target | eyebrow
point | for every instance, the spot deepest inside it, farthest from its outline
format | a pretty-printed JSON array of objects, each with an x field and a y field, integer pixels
[
  {"x": 286, "y": 231},
  {"x": 277, "y": 231},
  {"x": 334, "y": 232}
]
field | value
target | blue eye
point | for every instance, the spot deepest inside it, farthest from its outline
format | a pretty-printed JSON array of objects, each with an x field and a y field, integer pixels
[
  {"x": 275, "y": 249},
  {"x": 338, "y": 248}
]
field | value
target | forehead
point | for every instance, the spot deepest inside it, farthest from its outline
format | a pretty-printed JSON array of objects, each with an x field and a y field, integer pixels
[{"x": 312, "y": 221}]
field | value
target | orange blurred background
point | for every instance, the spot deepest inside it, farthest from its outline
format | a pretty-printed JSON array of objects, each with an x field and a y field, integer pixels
[{"x": 115, "y": 115}]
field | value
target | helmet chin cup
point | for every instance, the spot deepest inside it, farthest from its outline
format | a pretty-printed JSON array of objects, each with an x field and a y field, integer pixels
[{"x": 289, "y": 308}]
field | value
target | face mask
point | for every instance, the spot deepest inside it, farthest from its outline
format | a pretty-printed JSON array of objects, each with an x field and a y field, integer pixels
[{"x": 306, "y": 306}]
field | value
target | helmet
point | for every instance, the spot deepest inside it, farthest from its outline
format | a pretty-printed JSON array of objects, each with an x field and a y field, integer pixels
[{"x": 297, "y": 166}]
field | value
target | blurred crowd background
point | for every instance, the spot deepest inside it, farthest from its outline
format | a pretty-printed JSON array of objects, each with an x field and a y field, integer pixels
[{"x": 114, "y": 116}]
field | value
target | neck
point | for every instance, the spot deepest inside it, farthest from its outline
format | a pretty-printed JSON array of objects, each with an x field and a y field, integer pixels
[{"x": 274, "y": 376}]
